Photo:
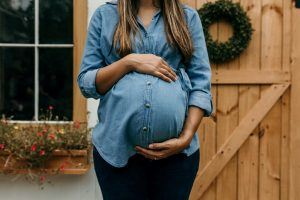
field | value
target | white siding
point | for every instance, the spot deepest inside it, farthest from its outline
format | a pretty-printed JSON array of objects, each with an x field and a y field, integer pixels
[{"x": 63, "y": 187}]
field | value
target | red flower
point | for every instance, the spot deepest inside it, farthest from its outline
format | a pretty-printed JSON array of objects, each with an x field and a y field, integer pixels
[
  {"x": 33, "y": 147},
  {"x": 2, "y": 146},
  {"x": 62, "y": 167},
  {"x": 44, "y": 130},
  {"x": 77, "y": 124},
  {"x": 50, "y": 107},
  {"x": 52, "y": 136},
  {"x": 40, "y": 134},
  {"x": 42, "y": 178},
  {"x": 42, "y": 152}
]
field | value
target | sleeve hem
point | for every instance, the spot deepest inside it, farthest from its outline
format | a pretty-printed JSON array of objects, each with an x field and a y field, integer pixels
[
  {"x": 89, "y": 85},
  {"x": 202, "y": 101}
]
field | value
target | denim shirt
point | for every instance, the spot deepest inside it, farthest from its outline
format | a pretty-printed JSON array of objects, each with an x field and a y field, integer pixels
[{"x": 139, "y": 108}]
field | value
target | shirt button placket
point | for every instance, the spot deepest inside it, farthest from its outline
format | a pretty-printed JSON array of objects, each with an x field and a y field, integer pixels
[
  {"x": 146, "y": 124},
  {"x": 147, "y": 42}
]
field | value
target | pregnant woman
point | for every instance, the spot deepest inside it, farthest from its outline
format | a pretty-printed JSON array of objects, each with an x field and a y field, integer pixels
[{"x": 147, "y": 62}]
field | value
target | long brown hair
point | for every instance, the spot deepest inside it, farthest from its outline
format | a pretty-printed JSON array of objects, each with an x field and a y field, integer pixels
[{"x": 176, "y": 28}]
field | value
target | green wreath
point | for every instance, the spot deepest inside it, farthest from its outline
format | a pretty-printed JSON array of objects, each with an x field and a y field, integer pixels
[{"x": 242, "y": 29}]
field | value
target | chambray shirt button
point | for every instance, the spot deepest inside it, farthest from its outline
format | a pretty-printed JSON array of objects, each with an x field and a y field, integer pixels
[
  {"x": 147, "y": 105},
  {"x": 148, "y": 83},
  {"x": 145, "y": 128}
]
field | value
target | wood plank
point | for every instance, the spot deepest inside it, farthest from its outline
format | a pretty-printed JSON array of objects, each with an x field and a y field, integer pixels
[
  {"x": 80, "y": 28},
  {"x": 240, "y": 134},
  {"x": 227, "y": 117},
  {"x": 77, "y": 164},
  {"x": 250, "y": 76},
  {"x": 58, "y": 152},
  {"x": 285, "y": 147},
  {"x": 295, "y": 108},
  {"x": 270, "y": 139},
  {"x": 248, "y": 95},
  {"x": 207, "y": 135},
  {"x": 285, "y": 135}
]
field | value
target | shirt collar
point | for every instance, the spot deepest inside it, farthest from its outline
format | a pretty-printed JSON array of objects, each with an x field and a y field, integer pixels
[{"x": 157, "y": 12}]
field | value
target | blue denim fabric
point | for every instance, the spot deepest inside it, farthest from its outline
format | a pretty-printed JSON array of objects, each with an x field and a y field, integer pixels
[{"x": 140, "y": 109}]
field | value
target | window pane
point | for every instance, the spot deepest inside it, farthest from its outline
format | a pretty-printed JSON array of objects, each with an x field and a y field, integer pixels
[
  {"x": 56, "y": 21},
  {"x": 17, "y": 83},
  {"x": 17, "y": 21},
  {"x": 56, "y": 81}
]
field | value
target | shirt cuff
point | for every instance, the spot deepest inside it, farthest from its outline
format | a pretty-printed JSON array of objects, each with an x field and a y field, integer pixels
[
  {"x": 201, "y": 100},
  {"x": 89, "y": 85}
]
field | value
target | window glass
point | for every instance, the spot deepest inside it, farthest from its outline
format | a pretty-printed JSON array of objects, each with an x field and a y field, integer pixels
[
  {"x": 17, "y": 83},
  {"x": 36, "y": 58},
  {"x": 56, "y": 21},
  {"x": 16, "y": 21},
  {"x": 56, "y": 81}
]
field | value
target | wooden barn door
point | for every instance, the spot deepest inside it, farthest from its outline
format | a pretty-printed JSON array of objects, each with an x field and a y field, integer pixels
[{"x": 245, "y": 146}]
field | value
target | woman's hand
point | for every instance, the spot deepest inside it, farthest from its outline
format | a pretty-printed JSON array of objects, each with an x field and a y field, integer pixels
[
  {"x": 151, "y": 64},
  {"x": 175, "y": 145},
  {"x": 164, "y": 149}
]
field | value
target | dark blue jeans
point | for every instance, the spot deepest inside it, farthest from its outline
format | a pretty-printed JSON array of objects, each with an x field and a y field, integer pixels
[{"x": 144, "y": 179}]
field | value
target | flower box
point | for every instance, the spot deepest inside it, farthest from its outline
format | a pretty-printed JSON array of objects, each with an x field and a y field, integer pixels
[{"x": 59, "y": 162}]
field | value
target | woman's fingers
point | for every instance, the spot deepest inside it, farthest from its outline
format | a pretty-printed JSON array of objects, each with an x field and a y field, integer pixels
[
  {"x": 162, "y": 68},
  {"x": 162, "y": 76},
  {"x": 159, "y": 146},
  {"x": 167, "y": 73},
  {"x": 162, "y": 149},
  {"x": 169, "y": 68},
  {"x": 152, "y": 154}
]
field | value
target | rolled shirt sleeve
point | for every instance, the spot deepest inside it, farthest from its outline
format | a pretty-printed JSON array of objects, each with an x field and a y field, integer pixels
[
  {"x": 198, "y": 68},
  {"x": 92, "y": 59}
]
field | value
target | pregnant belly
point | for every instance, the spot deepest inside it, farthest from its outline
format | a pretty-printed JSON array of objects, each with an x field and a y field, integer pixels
[
  {"x": 168, "y": 111},
  {"x": 152, "y": 112}
]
